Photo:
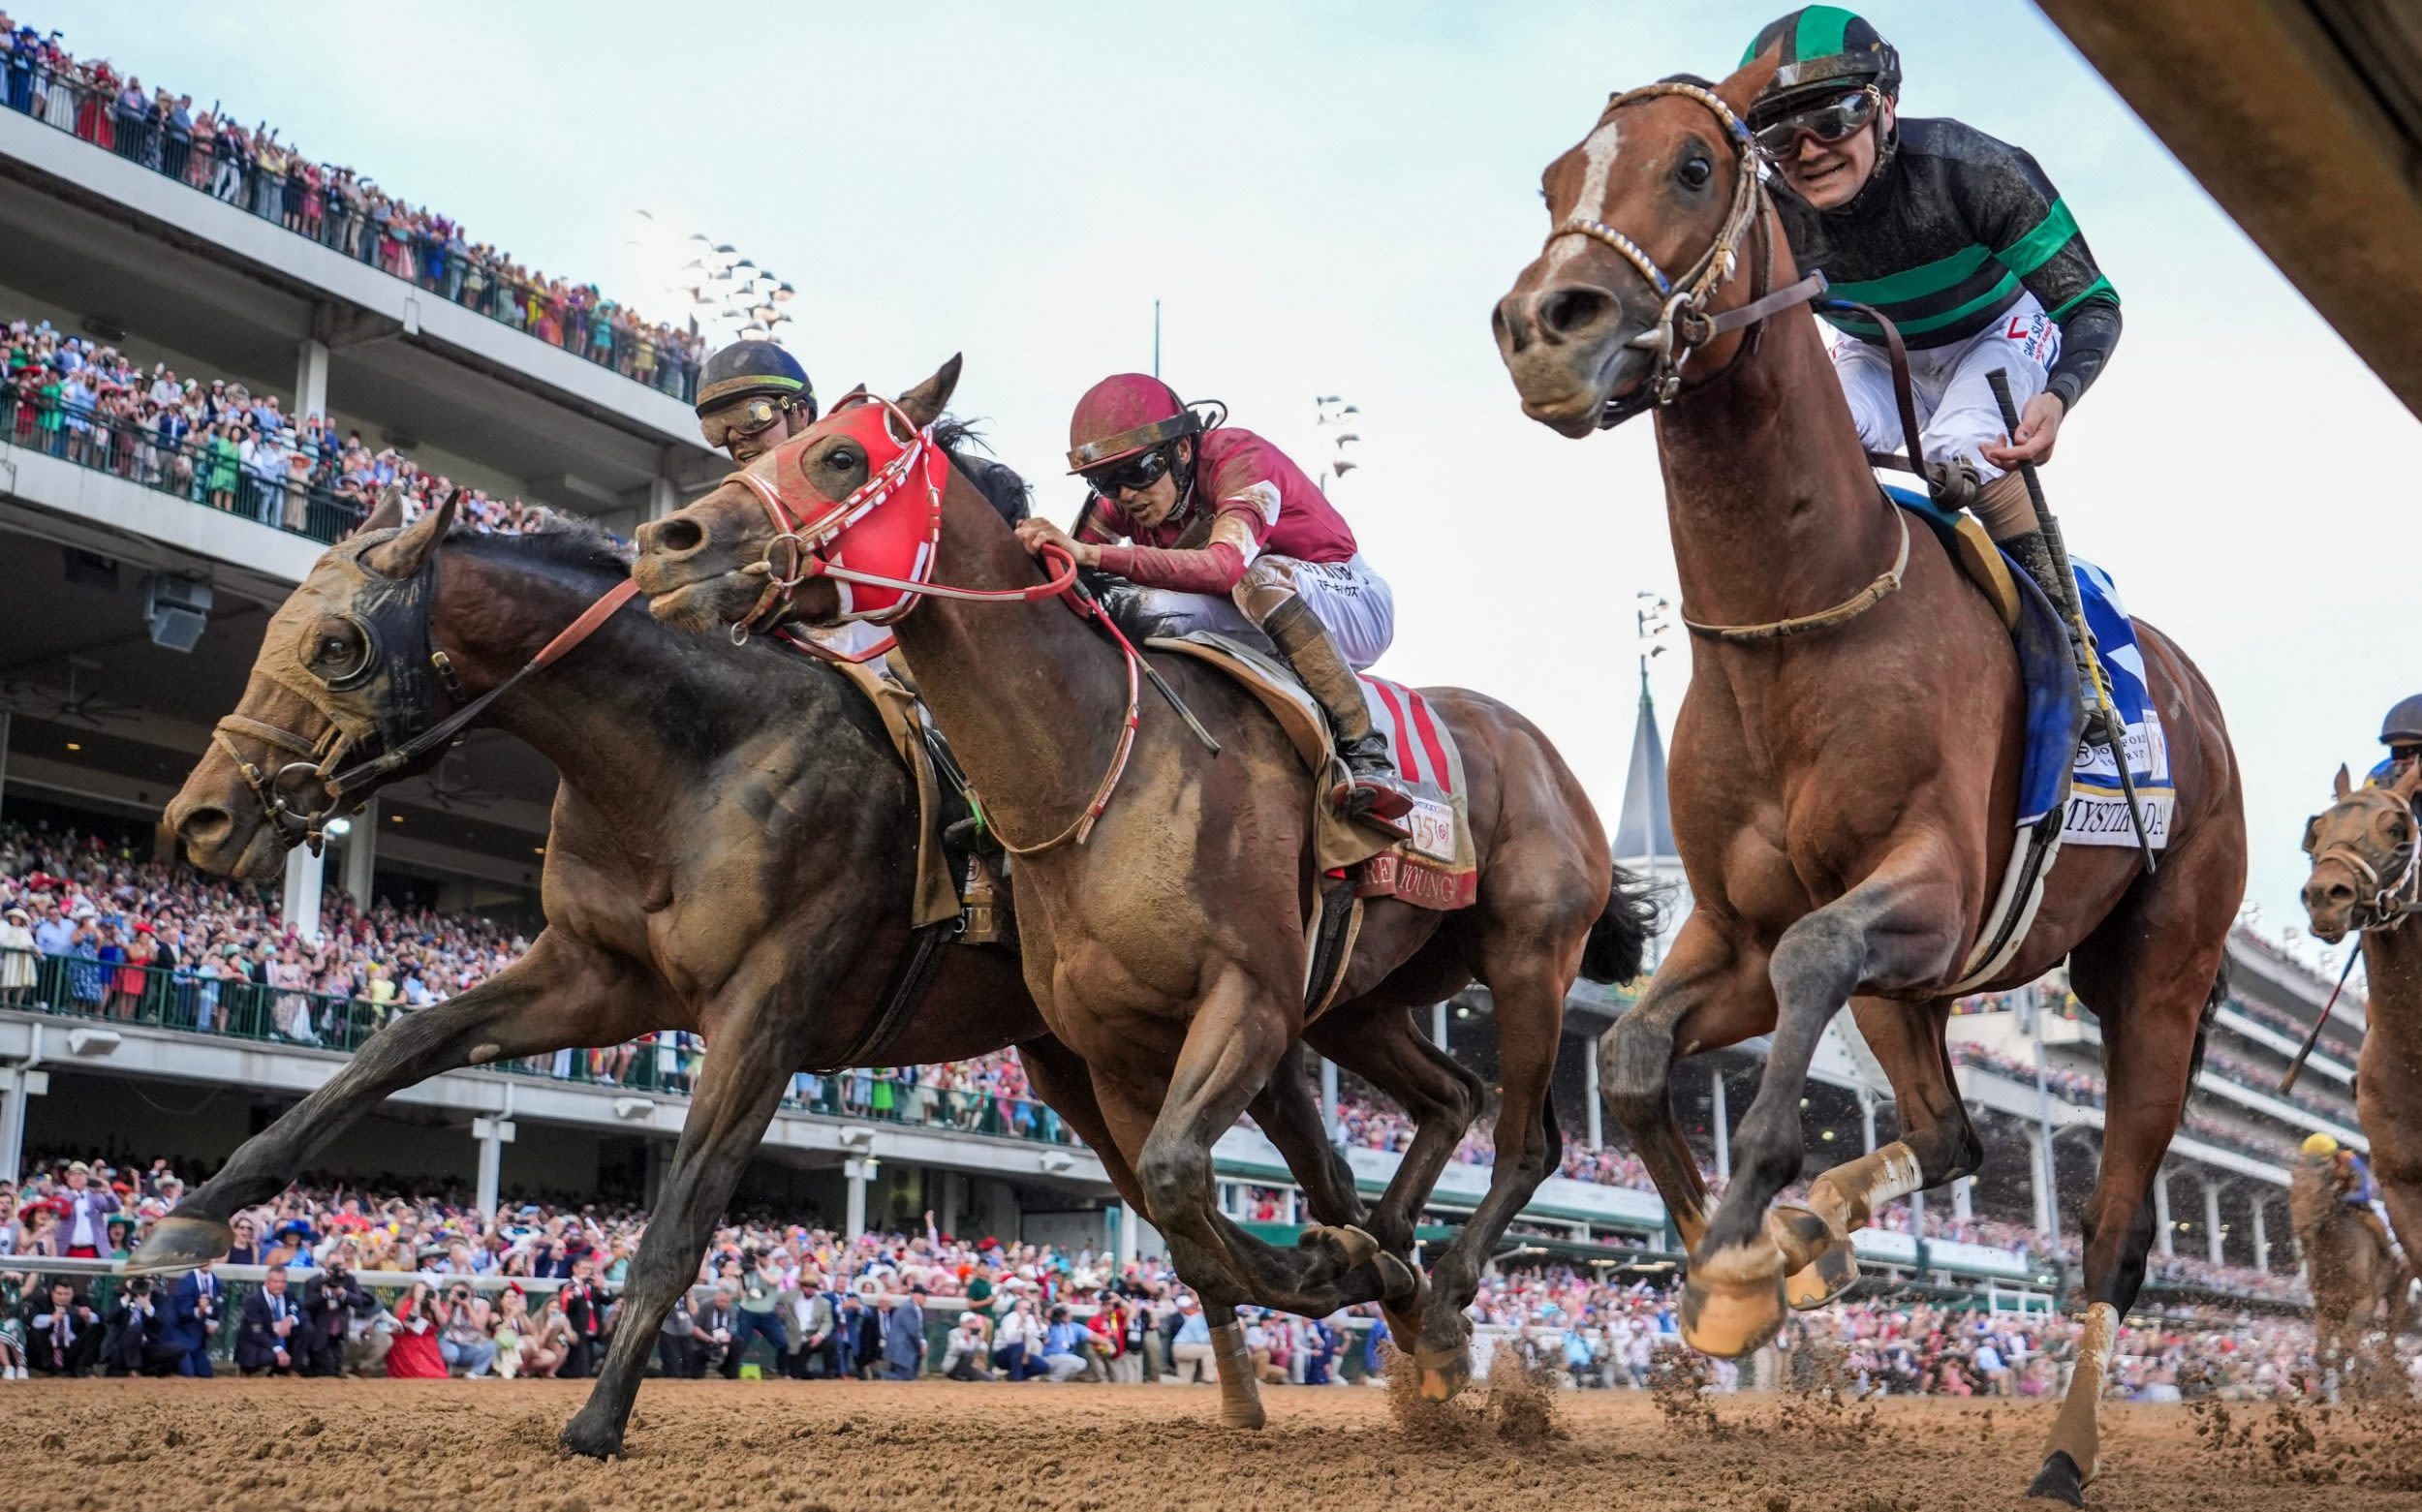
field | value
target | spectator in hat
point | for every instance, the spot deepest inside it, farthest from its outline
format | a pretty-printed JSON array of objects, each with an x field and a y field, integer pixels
[
  {"x": 83, "y": 1214},
  {"x": 19, "y": 959},
  {"x": 1065, "y": 1351},
  {"x": 967, "y": 1355}
]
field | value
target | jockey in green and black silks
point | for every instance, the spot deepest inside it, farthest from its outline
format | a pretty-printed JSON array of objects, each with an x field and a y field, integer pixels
[{"x": 1957, "y": 238}]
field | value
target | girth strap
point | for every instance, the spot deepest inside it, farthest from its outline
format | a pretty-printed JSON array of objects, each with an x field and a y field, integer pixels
[{"x": 911, "y": 977}]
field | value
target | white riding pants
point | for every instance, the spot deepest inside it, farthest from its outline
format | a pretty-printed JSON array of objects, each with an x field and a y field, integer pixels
[
  {"x": 1955, "y": 405},
  {"x": 1353, "y": 602}
]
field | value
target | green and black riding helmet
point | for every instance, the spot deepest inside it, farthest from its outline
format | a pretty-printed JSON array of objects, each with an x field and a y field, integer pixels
[
  {"x": 1837, "y": 72},
  {"x": 746, "y": 387}
]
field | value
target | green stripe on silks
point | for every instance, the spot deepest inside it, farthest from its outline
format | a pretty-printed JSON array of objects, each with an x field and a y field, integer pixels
[
  {"x": 2038, "y": 246},
  {"x": 2100, "y": 287},
  {"x": 1822, "y": 29},
  {"x": 1918, "y": 328},
  {"x": 1932, "y": 278}
]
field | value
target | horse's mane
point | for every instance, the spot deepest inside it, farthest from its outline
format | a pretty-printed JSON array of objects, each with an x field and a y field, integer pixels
[
  {"x": 1000, "y": 483},
  {"x": 574, "y": 542}
]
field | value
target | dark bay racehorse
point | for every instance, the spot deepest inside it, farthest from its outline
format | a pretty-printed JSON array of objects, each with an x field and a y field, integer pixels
[
  {"x": 1168, "y": 949},
  {"x": 2367, "y": 877},
  {"x": 2358, "y": 1283},
  {"x": 730, "y": 853},
  {"x": 1843, "y": 796}
]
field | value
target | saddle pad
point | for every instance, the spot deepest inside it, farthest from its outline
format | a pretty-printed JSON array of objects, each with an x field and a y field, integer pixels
[
  {"x": 1436, "y": 868},
  {"x": 903, "y": 714}
]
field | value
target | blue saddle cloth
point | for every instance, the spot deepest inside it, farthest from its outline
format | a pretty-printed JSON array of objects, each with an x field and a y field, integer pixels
[{"x": 2057, "y": 767}]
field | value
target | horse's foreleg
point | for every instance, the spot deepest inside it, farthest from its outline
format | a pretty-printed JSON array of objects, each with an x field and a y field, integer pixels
[
  {"x": 1528, "y": 984},
  {"x": 1900, "y": 928},
  {"x": 562, "y": 993},
  {"x": 749, "y": 1060},
  {"x": 1710, "y": 992},
  {"x": 1936, "y": 1144}
]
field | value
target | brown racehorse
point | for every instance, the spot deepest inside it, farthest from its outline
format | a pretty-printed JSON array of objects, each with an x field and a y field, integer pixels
[
  {"x": 2358, "y": 1284},
  {"x": 2366, "y": 871},
  {"x": 1168, "y": 949},
  {"x": 730, "y": 854},
  {"x": 1843, "y": 795}
]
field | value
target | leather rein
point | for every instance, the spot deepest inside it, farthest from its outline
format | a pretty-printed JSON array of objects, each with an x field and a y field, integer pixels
[
  {"x": 806, "y": 542},
  {"x": 322, "y": 761},
  {"x": 1683, "y": 325}
]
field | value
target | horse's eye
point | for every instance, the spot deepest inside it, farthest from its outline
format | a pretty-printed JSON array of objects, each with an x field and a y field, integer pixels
[
  {"x": 1694, "y": 172},
  {"x": 841, "y": 457}
]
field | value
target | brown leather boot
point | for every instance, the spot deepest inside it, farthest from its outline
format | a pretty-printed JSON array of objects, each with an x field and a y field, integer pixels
[
  {"x": 1372, "y": 790},
  {"x": 2033, "y": 552}
]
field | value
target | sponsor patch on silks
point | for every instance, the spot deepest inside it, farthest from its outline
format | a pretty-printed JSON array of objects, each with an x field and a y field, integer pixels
[
  {"x": 2098, "y": 808},
  {"x": 2036, "y": 337}
]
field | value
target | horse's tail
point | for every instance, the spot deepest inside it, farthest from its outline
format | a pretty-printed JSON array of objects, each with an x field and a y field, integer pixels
[
  {"x": 2203, "y": 1026},
  {"x": 1618, "y": 942}
]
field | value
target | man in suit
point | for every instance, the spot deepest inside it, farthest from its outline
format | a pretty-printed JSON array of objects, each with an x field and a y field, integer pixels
[
  {"x": 330, "y": 1303},
  {"x": 718, "y": 1325},
  {"x": 263, "y": 1330},
  {"x": 134, "y": 1345},
  {"x": 188, "y": 1323},
  {"x": 84, "y": 1211},
  {"x": 63, "y": 1333},
  {"x": 584, "y": 1309},
  {"x": 903, "y": 1336}
]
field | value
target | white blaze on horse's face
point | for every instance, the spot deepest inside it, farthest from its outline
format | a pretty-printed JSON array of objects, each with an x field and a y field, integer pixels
[{"x": 1597, "y": 154}]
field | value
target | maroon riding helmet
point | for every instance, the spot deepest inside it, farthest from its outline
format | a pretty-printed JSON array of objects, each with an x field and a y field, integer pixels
[{"x": 1123, "y": 416}]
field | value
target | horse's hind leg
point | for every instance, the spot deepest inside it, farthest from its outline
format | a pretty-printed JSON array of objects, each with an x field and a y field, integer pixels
[
  {"x": 561, "y": 993},
  {"x": 1936, "y": 1144},
  {"x": 1899, "y": 929},
  {"x": 2149, "y": 972}
]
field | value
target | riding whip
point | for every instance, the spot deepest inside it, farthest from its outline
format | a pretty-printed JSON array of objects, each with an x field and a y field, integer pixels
[
  {"x": 1999, "y": 381},
  {"x": 2295, "y": 1067}
]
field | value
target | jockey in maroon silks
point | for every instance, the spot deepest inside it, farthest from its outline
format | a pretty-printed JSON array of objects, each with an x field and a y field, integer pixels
[{"x": 1224, "y": 533}]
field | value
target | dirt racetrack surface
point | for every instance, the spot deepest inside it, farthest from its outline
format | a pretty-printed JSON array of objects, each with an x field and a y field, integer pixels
[{"x": 117, "y": 1447}]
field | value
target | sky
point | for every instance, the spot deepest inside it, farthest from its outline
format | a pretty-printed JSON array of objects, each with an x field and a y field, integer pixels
[{"x": 1328, "y": 198}]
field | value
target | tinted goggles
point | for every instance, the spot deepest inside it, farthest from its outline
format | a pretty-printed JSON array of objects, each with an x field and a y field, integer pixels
[
  {"x": 1138, "y": 472},
  {"x": 745, "y": 419},
  {"x": 1843, "y": 116}
]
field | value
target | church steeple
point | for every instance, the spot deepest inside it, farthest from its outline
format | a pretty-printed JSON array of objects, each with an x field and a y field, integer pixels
[{"x": 1644, "y": 830}]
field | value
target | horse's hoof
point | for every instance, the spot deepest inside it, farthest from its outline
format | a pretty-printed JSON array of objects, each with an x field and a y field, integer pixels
[
  {"x": 1246, "y": 1415},
  {"x": 1832, "y": 1265},
  {"x": 2060, "y": 1480},
  {"x": 1350, "y": 1245},
  {"x": 1733, "y": 1302},
  {"x": 1444, "y": 1370},
  {"x": 597, "y": 1440},
  {"x": 180, "y": 1243}
]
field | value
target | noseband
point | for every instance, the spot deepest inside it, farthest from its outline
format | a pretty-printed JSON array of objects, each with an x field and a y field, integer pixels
[
  {"x": 2396, "y": 893},
  {"x": 1682, "y": 322}
]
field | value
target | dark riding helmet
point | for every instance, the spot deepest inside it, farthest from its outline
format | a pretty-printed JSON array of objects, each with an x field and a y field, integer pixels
[
  {"x": 1824, "y": 49},
  {"x": 750, "y": 369},
  {"x": 2403, "y": 724}
]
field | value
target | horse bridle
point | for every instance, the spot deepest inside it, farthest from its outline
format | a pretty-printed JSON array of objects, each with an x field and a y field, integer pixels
[
  {"x": 2396, "y": 896},
  {"x": 1682, "y": 322},
  {"x": 393, "y": 617}
]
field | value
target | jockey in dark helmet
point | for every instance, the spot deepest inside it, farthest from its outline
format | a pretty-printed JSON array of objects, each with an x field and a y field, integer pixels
[
  {"x": 752, "y": 397},
  {"x": 1227, "y": 533},
  {"x": 2401, "y": 732},
  {"x": 1955, "y": 237}
]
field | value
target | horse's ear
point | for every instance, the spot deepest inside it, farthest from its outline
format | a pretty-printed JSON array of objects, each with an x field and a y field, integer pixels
[
  {"x": 926, "y": 402},
  {"x": 1750, "y": 80},
  {"x": 2407, "y": 780},
  {"x": 404, "y": 555},
  {"x": 2345, "y": 784},
  {"x": 389, "y": 515},
  {"x": 2311, "y": 834}
]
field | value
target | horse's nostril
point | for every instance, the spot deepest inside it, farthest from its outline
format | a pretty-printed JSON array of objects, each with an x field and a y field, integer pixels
[
  {"x": 1573, "y": 309},
  {"x": 204, "y": 826},
  {"x": 677, "y": 536}
]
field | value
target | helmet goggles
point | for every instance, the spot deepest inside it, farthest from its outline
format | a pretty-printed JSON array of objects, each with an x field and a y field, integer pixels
[
  {"x": 1139, "y": 473},
  {"x": 745, "y": 418},
  {"x": 1835, "y": 118}
]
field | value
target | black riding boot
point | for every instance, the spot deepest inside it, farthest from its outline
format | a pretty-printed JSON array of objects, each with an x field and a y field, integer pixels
[
  {"x": 2033, "y": 552},
  {"x": 1372, "y": 789}
]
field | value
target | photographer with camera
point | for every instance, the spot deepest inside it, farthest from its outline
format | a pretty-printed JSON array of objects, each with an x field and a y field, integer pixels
[
  {"x": 192, "y": 1318},
  {"x": 464, "y": 1339},
  {"x": 133, "y": 1345},
  {"x": 584, "y": 1308},
  {"x": 415, "y": 1354}
]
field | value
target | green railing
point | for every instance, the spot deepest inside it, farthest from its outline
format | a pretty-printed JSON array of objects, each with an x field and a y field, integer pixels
[{"x": 106, "y": 993}]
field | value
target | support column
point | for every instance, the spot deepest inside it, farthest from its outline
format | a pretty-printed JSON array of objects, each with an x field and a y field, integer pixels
[
  {"x": 2261, "y": 1201},
  {"x": 664, "y": 497},
  {"x": 2212, "y": 1221},
  {"x": 362, "y": 851},
  {"x": 855, "y": 1173},
  {"x": 306, "y": 875},
  {"x": 5, "y": 716},
  {"x": 2038, "y": 1160},
  {"x": 1596, "y": 1103},
  {"x": 493, "y": 1135},
  {"x": 1129, "y": 1222},
  {"x": 18, "y": 1086},
  {"x": 1438, "y": 1027},
  {"x": 1964, "y": 1198},
  {"x": 1721, "y": 1116},
  {"x": 311, "y": 380},
  {"x": 2167, "y": 1233},
  {"x": 1328, "y": 1101}
]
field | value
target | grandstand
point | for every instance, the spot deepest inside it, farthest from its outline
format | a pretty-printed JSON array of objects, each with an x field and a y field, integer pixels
[{"x": 132, "y": 587}]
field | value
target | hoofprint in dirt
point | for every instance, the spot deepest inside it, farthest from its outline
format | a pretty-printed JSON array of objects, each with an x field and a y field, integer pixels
[{"x": 134, "y": 1446}]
